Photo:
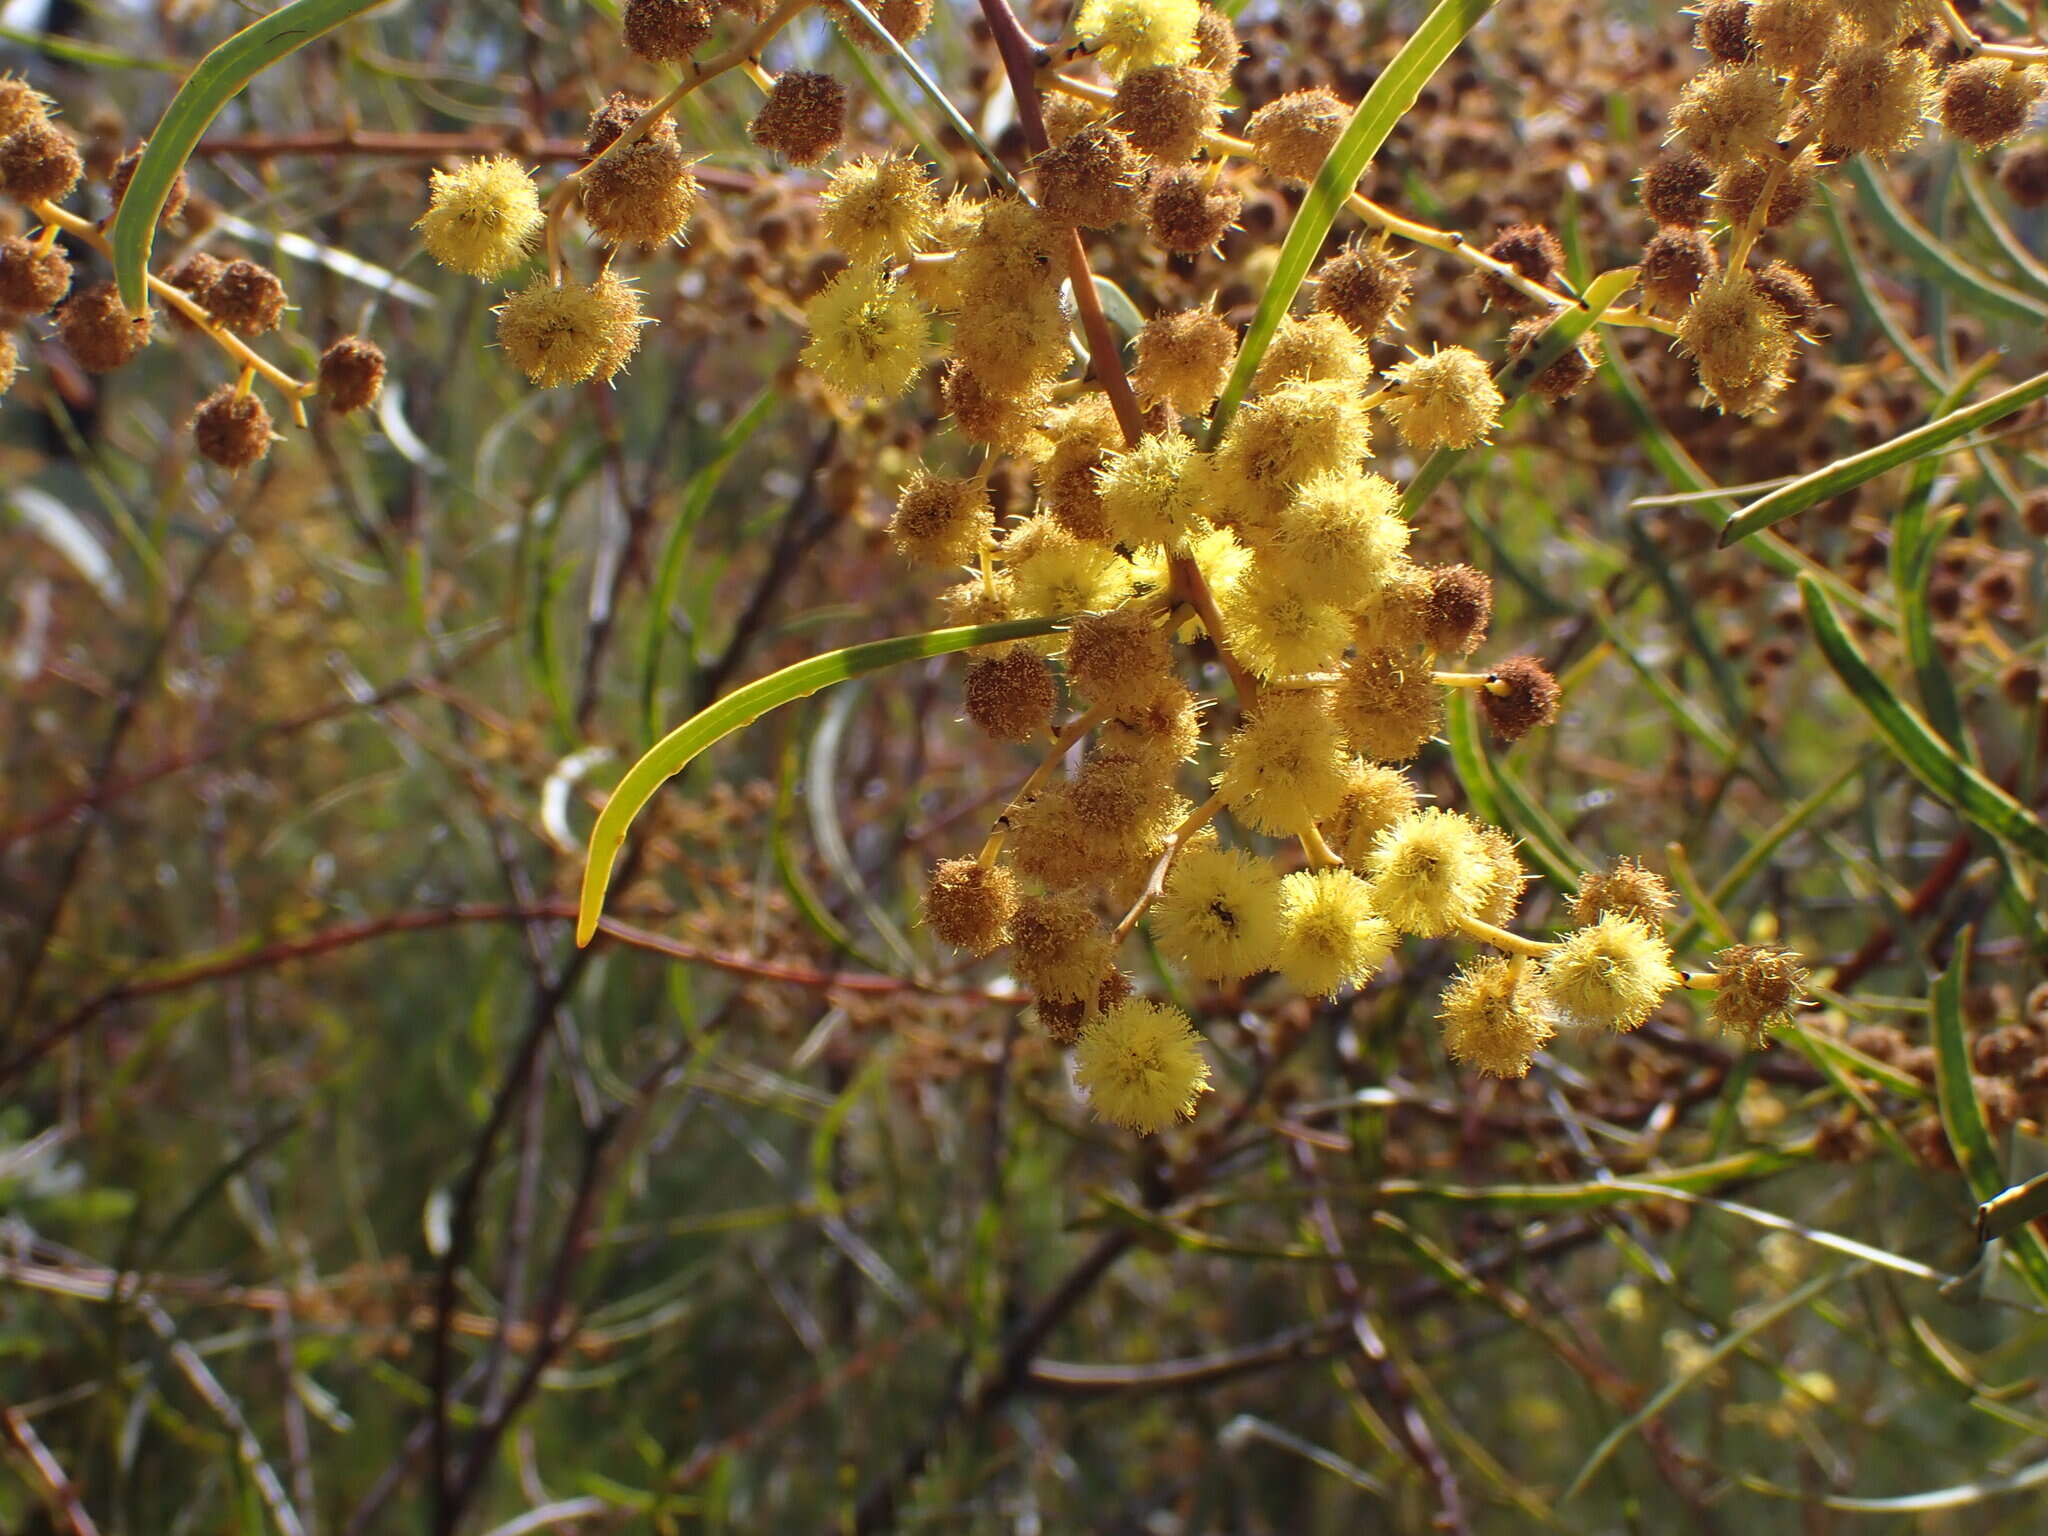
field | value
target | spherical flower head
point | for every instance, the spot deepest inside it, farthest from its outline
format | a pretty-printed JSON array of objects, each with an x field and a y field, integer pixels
[
  {"x": 969, "y": 905},
  {"x": 1722, "y": 30},
  {"x": 1445, "y": 400},
  {"x": 1167, "y": 726},
  {"x": 1758, "y": 986},
  {"x": 1363, "y": 286},
  {"x": 1729, "y": 113},
  {"x": 1566, "y": 374},
  {"x": 1527, "y": 697},
  {"x": 1142, "y": 1066},
  {"x": 1794, "y": 36},
  {"x": 244, "y": 297},
  {"x": 1011, "y": 697},
  {"x": 1059, "y": 575},
  {"x": 1375, "y": 797},
  {"x": 878, "y": 210},
  {"x": 1184, "y": 358},
  {"x": 1674, "y": 264},
  {"x": 1312, "y": 346},
  {"x": 1004, "y": 420},
  {"x": 804, "y": 118},
  {"x": 1125, "y": 802},
  {"x": 1187, "y": 215},
  {"x": 98, "y": 331},
  {"x": 1331, "y": 936},
  {"x": 1872, "y": 100},
  {"x": 1219, "y": 914},
  {"x": 1050, "y": 843},
  {"x": 643, "y": 195},
  {"x": 1278, "y": 630},
  {"x": 21, "y": 104},
  {"x": 666, "y": 31},
  {"x": 1148, "y": 494},
  {"x": 1063, "y": 1021},
  {"x": 482, "y": 218},
  {"x": 1739, "y": 341},
  {"x": 1738, "y": 190},
  {"x": 1625, "y": 889},
  {"x": 1430, "y": 872},
  {"x": 1494, "y": 1020},
  {"x": 1285, "y": 767},
  {"x": 1394, "y": 615},
  {"x": 1792, "y": 292},
  {"x": 1293, "y": 135},
  {"x": 351, "y": 374},
  {"x": 1092, "y": 178},
  {"x": 1340, "y": 537},
  {"x": 565, "y": 333},
  {"x": 1118, "y": 658},
  {"x": 32, "y": 282},
  {"x": 1884, "y": 21},
  {"x": 1139, "y": 34},
  {"x": 1986, "y": 102},
  {"x": 1674, "y": 190},
  {"x": 1168, "y": 110},
  {"x": 941, "y": 520},
  {"x": 867, "y": 335},
  {"x": 1504, "y": 885},
  {"x": 1533, "y": 252},
  {"x": 1611, "y": 974},
  {"x": 232, "y": 430},
  {"x": 39, "y": 163},
  {"x": 1459, "y": 609},
  {"x": 1388, "y": 705},
  {"x": 1057, "y": 946},
  {"x": 1278, "y": 442}
]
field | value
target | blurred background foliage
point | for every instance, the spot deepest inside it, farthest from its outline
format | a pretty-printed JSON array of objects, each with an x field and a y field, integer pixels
[{"x": 766, "y": 1213}]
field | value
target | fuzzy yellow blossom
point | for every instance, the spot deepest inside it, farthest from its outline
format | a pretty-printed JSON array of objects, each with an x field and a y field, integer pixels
[
  {"x": 1445, "y": 400},
  {"x": 1430, "y": 872},
  {"x": 1142, "y": 1067},
  {"x": 563, "y": 333},
  {"x": 1139, "y": 34},
  {"x": 1277, "y": 630},
  {"x": 867, "y": 335},
  {"x": 1151, "y": 494},
  {"x": 1330, "y": 935},
  {"x": 482, "y": 218},
  {"x": 1285, "y": 767},
  {"x": 1492, "y": 1017},
  {"x": 1339, "y": 538},
  {"x": 1612, "y": 974},
  {"x": 878, "y": 210},
  {"x": 1056, "y": 573},
  {"x": 1220, "y": 913}
]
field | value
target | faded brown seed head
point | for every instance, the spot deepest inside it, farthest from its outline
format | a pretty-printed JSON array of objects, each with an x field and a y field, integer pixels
[
  {"x": 1092, "y": 179},
  {"x": 1292, "y": 136},
  {"x": 804, "y": 118},
  {"x": 31, "y": 281},
  {"x": 1167, "y": 110},
  {"x": 1674, "y": 264},
  {"x": 1011, "y": 697},
  {"x": 245, "y": 298},
  {"x": 1364, "y": 287},
  {"x": 1531, "y": 699},
  {"x": 98, "y": 331},
  {"x": 351, "y": 374},
  {"x": 231, "y": 430},
  {"x": 1185, "y": 215},
  {"x": 1674, "y": 190},
  {"x": 666, "y": 31},
  {"x": 1532, "y": 251},
  {"x": 969, "y": 905}
]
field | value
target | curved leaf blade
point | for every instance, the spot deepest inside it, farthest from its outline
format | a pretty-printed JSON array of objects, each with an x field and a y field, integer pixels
[
  {"x": 1913, "y": 741},
  {"x": 1392, "y": 94},
  {"x": 743, "y": 706},
  {"x": 217, "y": 80}
]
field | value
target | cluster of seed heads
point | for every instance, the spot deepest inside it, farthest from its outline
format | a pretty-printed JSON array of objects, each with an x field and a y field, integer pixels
[
  {"x": 230, "y": 300},
  {"x": 1176, "y": 529}
]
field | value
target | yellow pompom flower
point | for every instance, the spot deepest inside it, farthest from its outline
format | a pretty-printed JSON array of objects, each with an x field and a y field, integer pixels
[
  {"x": 482, "y": 217},
  {"x": 1331, "y": 936},
  {"x": 1139, "y": 34},
  {"x": 878, "y": 210},
  {"x": 563, "y": 333},
  {"x": 1445, "y": 400},
  {"x": 1276, "y": 629},
  {"x": 1286, "y": 766},
  {"x": 1151, "y": 494},
  {"x": 1142, "y": 1067},
  {"x": 1219, "y": 914},
  {"x": 1430, "y": 872},
  {"x": 1493, "y": 1018},
  {"x": 1056, "y": 573},
  {"x": 1340, "y": 538},
  {"x": 867, "y": 335},
  {"x": 1613, "y": 973},
  {"x": 1277, "y": 443}
]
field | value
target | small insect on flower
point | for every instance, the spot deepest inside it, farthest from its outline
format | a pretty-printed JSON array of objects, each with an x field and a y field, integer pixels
[
  {"x": 1611, "y": 974},
  {"x": 1142, "y": 1066},
  {"x": 482, "y": 218},
  {"x": 867, "y": 335},
  {"x": 1220, "y": 913}
]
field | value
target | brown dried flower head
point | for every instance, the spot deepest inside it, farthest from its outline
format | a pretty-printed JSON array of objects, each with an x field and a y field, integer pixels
[
  {"x": 98, "y": 331},
  {"x": 804, "y": 118},
  {"x": 32, "y": 282},
  {"x": 351, "y": 374},
  {"x": 231, "y": 429}
]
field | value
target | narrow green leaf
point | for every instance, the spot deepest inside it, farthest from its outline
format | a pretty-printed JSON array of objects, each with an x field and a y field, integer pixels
[
  {"x": 1936, "y": 259},
  {"x": 2011, "y": 1209},
  {"x": 1960, "y": 1496},
  {"x": 1391, "y": 96},
  {"x": 1501, "y": 800},
  {"x": 1962, "y": 1116},
  {"x": 210, "y": 87},
  {"x": 668, "y": 757},
  {"x": 1846, "y": 474},
  {"x": 1925, "y": 755}
]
